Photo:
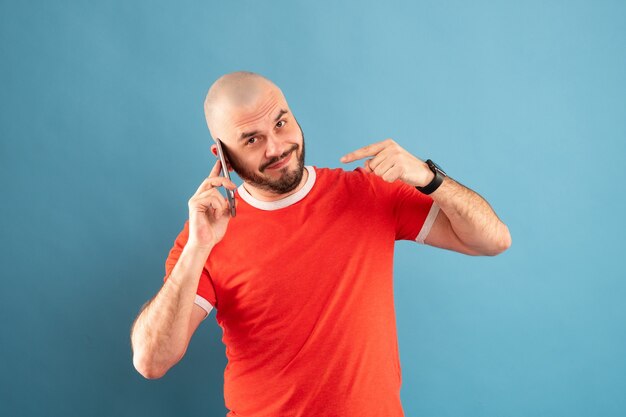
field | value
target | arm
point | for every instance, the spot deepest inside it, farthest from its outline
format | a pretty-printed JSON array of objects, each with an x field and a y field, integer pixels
[
  {"x": 161, "y": 332},
  {"x": 163, "y": 329},
  {"x": 466, "y": 223}
]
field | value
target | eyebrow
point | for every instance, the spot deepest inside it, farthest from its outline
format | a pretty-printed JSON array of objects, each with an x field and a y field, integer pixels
[
  {"x": 280, "y": 115},
  {"x": 246, "y": 135}
]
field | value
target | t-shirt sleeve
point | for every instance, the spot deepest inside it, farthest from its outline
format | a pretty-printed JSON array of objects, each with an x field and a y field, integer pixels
[
  {"x": 414, "y": 212},
  {"x": 205, "y": 294}
]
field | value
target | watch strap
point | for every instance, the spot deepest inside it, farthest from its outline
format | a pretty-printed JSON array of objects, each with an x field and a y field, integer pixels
[{"x": 436, "y": 181}]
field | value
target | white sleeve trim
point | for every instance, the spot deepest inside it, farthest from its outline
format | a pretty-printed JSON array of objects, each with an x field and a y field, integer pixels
[
  {"x": 204, "y": 304},
  {"x": 428, "y": 223}
]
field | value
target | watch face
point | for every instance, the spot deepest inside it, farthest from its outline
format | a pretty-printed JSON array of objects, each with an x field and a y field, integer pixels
[{"x": 437, "y": 167}]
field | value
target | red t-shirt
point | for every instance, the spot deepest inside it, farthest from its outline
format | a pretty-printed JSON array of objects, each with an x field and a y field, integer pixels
[{"x": 303, "y": 289}]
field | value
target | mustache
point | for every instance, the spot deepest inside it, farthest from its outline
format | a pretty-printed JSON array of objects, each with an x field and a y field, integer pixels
[{"x": 278, "y": 158}]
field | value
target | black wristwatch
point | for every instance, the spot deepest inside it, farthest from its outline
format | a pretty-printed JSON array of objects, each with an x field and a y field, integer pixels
[{"x": 437, "y": 180}]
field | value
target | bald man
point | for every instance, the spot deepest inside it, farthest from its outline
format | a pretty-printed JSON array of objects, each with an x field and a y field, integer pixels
[{"x": 301, "y": 277}]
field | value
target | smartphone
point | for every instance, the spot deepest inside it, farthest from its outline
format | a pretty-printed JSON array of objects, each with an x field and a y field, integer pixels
[{"x": 230, "y": 194}]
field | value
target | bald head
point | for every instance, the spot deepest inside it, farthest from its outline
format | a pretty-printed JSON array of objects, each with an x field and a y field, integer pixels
[
  {"x": 261, "y": 138},
  {"x": 241, "y": 89}
]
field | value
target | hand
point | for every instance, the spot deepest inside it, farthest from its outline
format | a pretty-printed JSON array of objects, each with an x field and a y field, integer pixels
[
  {"x": 209, "y": 213},
  {"x": 391, "y": 162}
]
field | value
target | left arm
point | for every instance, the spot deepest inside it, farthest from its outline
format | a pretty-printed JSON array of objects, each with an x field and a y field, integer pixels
[{"x": 466, "y": 223}]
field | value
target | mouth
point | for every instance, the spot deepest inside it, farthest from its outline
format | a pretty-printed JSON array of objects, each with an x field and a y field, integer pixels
[{"x": 281, "y": 163}]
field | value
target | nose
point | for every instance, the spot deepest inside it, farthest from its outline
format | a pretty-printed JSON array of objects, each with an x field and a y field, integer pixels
[{"x": 275, "y": 147}]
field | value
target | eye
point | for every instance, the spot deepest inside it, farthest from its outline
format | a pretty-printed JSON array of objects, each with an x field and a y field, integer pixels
[
  {"x": 281, "y": 125},
  {"x": 252, "y": 140}
]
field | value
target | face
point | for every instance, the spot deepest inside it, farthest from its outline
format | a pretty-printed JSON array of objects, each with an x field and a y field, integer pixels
[{"x": 265, "y": 144}]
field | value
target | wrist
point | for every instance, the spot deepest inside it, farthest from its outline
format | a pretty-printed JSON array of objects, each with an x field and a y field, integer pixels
[
  {"x": 436, "y": 176},
  {"x": 430, "y": 176},
  {"x": 198, "y": 248}
]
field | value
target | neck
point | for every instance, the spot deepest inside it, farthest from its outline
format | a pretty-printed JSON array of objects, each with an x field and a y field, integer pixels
[{"x": 264, "y": 195}]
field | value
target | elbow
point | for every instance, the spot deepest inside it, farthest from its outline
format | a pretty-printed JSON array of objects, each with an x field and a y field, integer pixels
[
  {"x": 146, "y": 370},
  {"x": 149, "y": 365},
  {"x": 502, "y": 243}
]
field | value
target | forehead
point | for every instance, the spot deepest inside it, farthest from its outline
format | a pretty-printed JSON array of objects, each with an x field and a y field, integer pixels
[{"x": 255, "y": 113}]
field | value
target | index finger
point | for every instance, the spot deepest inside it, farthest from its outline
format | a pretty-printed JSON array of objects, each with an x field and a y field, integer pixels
[
  {"x": 217, "y": 168},
  {"x": 214, "y": 173},
  {"x": 364, "y": 152}
]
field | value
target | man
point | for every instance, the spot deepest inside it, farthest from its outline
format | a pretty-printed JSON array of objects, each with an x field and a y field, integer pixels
[{"x": 301, "y": 277}]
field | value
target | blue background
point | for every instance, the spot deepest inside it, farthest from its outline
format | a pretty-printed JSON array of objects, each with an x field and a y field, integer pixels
[{"x": 103, "y": 141}]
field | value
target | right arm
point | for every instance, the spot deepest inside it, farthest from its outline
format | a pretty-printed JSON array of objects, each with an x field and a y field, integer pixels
[
  {"x": 164, "y": 327},
  {"x": 161, "y": 332}
]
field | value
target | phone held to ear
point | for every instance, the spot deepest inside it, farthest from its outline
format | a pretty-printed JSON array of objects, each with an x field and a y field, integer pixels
[{"x": 230, "y": 194}]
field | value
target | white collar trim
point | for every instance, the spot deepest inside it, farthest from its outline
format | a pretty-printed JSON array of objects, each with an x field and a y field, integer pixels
[{"x": 283, "y": 202}]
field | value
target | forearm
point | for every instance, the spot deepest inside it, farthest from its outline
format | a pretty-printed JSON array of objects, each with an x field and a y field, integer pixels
[
  {"x": 472, "y": 218},
  {"x": 159, "y": 335}
]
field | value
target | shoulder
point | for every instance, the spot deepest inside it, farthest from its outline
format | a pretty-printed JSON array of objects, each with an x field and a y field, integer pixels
[
  {"x": 358, "y": 176},
  {"x": 358, "y": 181}
]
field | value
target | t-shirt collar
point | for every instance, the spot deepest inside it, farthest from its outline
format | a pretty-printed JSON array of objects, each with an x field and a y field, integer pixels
[{"x": 283, "y": 202}]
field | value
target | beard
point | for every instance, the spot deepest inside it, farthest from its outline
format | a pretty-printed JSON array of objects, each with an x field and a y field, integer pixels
[{"x": 288, "y": 180}]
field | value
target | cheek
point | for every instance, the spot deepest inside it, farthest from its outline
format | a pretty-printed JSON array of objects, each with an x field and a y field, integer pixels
[
  {"x": 256, "y": 160},
  {"x": 247, "y": 160},
  {"x": 293, "y": 134}
]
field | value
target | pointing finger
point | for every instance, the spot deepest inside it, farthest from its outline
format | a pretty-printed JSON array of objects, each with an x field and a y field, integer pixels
[{"x": 364, "y": 152}]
